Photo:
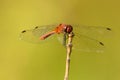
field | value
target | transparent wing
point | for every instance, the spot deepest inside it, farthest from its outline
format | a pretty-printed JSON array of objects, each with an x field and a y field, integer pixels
[
  {"x": 62, "y": 38},
  {"x": 88, "y": 44},
  {"x": 89, "y": 38},
  {"x": 41, "y": 30},
  {"x": 34, "y": 34},
  {"x": 96, "y": 32}
]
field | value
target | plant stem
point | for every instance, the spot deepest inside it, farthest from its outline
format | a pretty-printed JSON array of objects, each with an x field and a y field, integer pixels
[{"x": 69, "y": 50}]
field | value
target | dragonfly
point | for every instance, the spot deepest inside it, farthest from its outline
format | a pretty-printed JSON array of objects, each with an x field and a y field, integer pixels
[{"x": 86, "y": 38}]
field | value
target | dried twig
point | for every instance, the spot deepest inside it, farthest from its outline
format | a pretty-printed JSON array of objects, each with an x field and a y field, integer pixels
[{"x": 69, "y": 50}]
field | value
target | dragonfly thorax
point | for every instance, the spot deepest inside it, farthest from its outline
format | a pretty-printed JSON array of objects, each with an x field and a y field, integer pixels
[{"x": 63, "y": 28}]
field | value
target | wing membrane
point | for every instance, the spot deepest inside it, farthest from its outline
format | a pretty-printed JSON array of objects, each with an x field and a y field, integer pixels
[
  {"x": 96, "y": 32},
  {"x": 34, "y": 34},
  {"x": 88, "y": 44},
  {"x": 86, "y": 37}
]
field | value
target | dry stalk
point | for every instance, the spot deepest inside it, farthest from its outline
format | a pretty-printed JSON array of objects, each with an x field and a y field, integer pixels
[{"x": 69, "y": 50}]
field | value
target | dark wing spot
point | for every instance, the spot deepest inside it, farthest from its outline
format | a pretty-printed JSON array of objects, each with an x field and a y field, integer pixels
[
  {"x": 101, "y": 43},
  {"x": 36, "y": 27},
  {"x": 23, "y": 31},
  {"x": 108, "y": 29}
]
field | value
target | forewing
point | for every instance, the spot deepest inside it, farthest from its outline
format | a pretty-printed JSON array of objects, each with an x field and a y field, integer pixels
[
  {"x": 96, "y": 32},
  {"x": 34, "y": 34},
  {"x": 41, "y": 30}
]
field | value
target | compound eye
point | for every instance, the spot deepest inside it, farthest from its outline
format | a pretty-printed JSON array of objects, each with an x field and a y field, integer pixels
[{"x": 68, "y": 29}]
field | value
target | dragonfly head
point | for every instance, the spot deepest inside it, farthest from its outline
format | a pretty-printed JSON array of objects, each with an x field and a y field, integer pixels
[{"x": 68, "y": 28}]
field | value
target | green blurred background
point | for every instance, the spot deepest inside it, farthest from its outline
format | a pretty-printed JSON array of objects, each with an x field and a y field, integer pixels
[{"x": 20, "y": 60}]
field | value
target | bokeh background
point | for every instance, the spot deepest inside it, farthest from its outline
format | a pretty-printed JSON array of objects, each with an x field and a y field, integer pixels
[{"x": 21, "y": 60}]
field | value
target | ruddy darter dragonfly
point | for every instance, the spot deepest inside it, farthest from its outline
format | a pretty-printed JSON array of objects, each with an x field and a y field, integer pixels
[{"x": 85, "y": 38}]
